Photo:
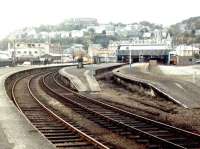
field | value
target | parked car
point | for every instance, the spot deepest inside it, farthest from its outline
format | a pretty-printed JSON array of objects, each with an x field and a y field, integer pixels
[{"x": 197, "y": 62}]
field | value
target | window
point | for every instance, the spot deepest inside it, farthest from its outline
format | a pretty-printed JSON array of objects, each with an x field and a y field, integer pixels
[
  {"x": 36, "y": 52},
  {"x": 25, "y": 52},
  {"x": 29, "y": 45},
  {"x": 18, "y": 52},
  {"x": 30, "y": 52}
]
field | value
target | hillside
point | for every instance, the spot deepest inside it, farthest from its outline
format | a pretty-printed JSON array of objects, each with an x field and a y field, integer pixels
[
  {"x": 82, "y": 31},
  {"x": 187, "y": 31}
]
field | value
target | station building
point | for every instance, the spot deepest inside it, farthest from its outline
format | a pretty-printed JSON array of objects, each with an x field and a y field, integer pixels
[
  {"x": 28, "y": 51},
  {"x": 143, "y": 52},
  {"x": 183, "y": 55},
  {"x": 102, "y": 55},
  {"x": 154, "y": 45}
]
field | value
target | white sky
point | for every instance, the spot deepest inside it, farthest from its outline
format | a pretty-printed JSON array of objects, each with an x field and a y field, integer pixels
[{"x": 15, "y": 14}]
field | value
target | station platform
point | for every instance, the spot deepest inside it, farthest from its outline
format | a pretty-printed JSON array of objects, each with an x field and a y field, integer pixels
[
  {"x": 179, "y": 87},
  {"x": 15, "y": 131},
  {"x": 83, "y": 79}
]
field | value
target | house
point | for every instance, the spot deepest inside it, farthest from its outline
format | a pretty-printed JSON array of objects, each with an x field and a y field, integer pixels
[
  {"x": 147, "y": 35},
  {"x": 102, "y": 55},
  {"x": 197, "y": 32},
  {"x": 183, "y": 55},
  {"x": 82, "y": 21},
  {"x": 4, "y": 55},
  {"x": 43, "y": 47},
  {"x": 28, "y": 51},
  {"x": 5, "y": 58},
  {"x": 76, "y": 33}
]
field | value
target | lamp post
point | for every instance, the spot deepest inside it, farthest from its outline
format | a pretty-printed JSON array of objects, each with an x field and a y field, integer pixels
[
  {"x": 130, "y": 60},
  {"x": 12, "y": 38},
  {"x": 92, "y": 63},
  {"x": 60, "y": 49},
  {"x": 14, "y": 53}
]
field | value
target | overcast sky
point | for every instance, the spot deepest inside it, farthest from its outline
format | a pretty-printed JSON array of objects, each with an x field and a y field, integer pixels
[{"x": 16, "y": 14}]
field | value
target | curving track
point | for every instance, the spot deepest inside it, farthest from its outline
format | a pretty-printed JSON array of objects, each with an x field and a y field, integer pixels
[
  {"x": 57, "y": 130},
  {"x": 152, "y": 133}
]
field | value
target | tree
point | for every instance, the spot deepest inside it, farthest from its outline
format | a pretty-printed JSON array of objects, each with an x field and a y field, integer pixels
[
  {"x": 4, "y": 44},
  {"x": 197, "y": 56},
  {"x": 104, "y": 32}
]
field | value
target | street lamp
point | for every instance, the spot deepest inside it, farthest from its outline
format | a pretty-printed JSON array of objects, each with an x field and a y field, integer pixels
[
  {"x": 130, "y": 60},
  {"x": 92, "y": 65},
  {"x": 14, "y": 53}
]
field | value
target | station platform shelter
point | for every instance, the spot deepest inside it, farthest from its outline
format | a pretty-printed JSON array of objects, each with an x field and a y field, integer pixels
[{"x": 143, "y": 53}]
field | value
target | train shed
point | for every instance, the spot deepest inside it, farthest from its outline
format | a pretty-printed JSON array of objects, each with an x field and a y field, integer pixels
[{"x": 143, "y": 52}]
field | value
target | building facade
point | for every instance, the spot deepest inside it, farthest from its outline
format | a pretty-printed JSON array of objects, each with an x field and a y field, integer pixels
[
  {"x": 102, "y": 55},
  {"x": 183, "y": 55}
]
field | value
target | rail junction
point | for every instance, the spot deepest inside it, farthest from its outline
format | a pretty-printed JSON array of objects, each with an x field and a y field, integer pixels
[{"x": 31, "y": 91}]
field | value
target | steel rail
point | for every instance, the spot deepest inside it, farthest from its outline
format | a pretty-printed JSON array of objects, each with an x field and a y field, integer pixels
[
  {"x": 84, "y": 136},
  {"x": 171, "y": 144}
]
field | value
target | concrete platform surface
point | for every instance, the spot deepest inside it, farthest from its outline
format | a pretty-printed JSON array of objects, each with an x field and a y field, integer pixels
[
  {"x": 83, "y": 79},
  {"x": 183, "y": 91},
  {"x": 15, "y": 131}
]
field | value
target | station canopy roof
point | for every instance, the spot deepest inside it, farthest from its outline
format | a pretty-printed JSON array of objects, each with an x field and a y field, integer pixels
[
  {"x": 188, "y": 48},
  {"x": 144, "y": 50},
  {"x": 145, "y": 47}
]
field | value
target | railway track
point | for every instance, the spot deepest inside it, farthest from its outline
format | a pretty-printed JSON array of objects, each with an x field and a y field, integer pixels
[
  {"x": 152, "y": 133},
  {"x": 57, "y": 130}
]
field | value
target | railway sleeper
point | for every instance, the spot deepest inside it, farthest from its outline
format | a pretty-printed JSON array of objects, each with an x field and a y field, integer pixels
[
  {"x": 177, "y": 140},
  {"x": 42, "y": 125},
  {"x": 54, "y": 141},
  {"x": 153, "y": 146},
  {"x": 191, "y": 145},
  {"x": 60, "y": 134},
  {"x": 52, "y": 128},
  {"x": 144, "y": 126},
  {"x": 55, "y": 131},
  {"x": 157, "y": 132},
  {"x": 148, "y": 128},
  {"x": 77, "y": 144},
  {"x": 142, "y": 141},
  {"x": 130, "y": 123},
  {"x": 41, "y": 120}
]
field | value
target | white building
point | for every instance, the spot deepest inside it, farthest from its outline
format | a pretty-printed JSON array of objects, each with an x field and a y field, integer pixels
[
  {"x": 147, "y": 35},
  {"x": 44, "y": 35},
  {"x": 76, "y": 33},
  {"x": 183, "y": 55},
  {"x": 100, "y": 54},
  {"x": 99, "y": 29},
  {"x": 29, "y": 51},
  {"x": 4, "y": 55},
  {"x": 184, "y": 50},
  {"x": 43, "y": 47},
  {"x": 197, "y": 32}
]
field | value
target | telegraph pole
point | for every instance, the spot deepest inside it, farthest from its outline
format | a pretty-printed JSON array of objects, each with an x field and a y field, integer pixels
[
  {"x": 14, "y": 53},
  {"x": 60, "y": 49},
  {"x": 130, "y": 60}
]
